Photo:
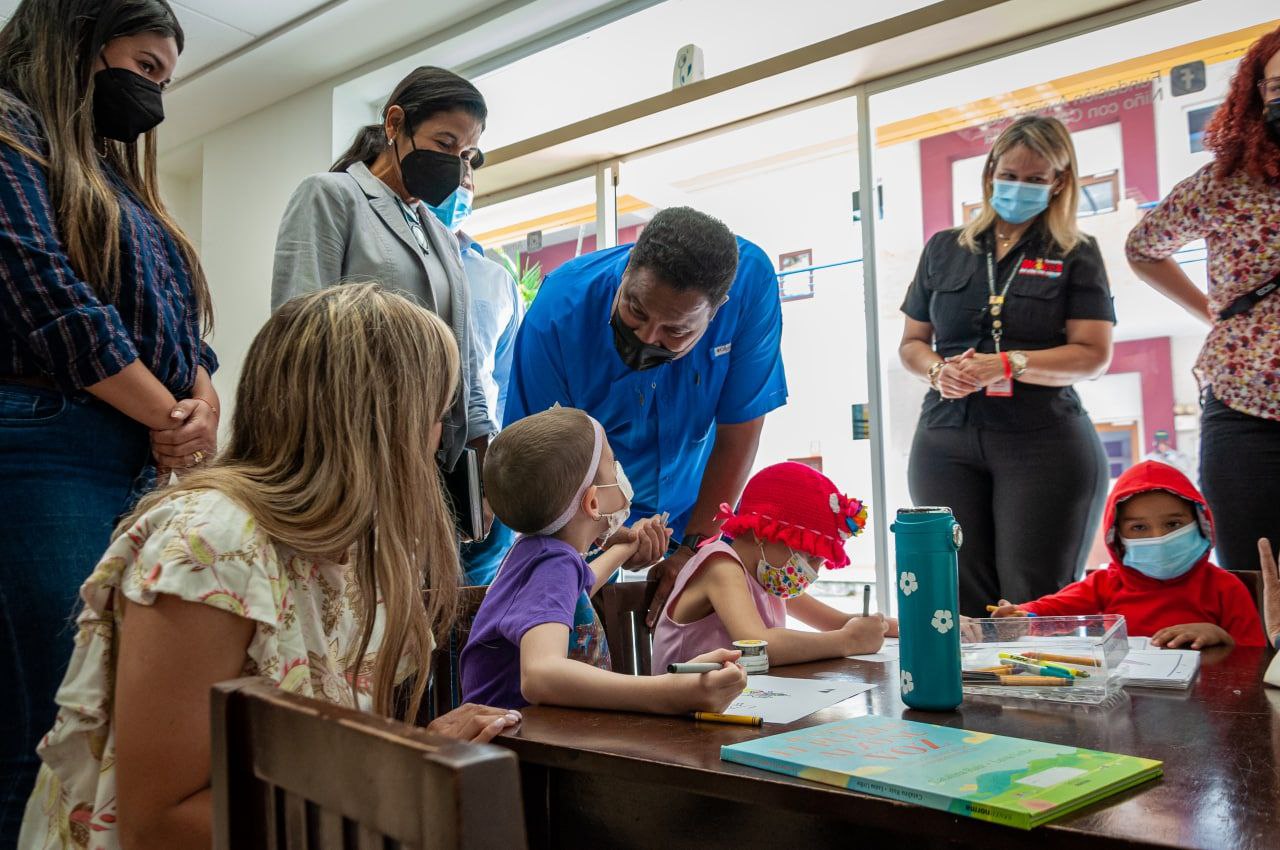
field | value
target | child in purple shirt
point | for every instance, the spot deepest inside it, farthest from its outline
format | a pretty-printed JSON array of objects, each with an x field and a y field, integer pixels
[{"x": 552, "y": 477}]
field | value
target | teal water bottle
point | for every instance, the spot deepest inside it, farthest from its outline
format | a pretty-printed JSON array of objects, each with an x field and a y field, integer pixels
[{"x": 929, "y": 608}]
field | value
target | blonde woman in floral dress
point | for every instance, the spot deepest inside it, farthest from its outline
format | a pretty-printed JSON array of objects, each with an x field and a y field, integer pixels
[{"x": 299, "y": 555}]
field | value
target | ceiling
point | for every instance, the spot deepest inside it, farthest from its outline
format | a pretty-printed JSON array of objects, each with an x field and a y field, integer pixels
[{"x": 216, "y": 28}]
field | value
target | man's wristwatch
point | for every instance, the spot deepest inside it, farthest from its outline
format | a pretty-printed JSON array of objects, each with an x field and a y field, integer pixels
[
  {"x": 1018, "y": 363},
  {"x": 692, "y": 542}
]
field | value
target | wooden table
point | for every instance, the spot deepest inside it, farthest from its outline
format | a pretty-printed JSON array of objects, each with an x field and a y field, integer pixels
[{"x": 610, "y": 780}]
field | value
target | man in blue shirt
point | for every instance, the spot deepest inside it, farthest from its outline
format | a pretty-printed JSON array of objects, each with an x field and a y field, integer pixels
[
  {"x": 496, "y": 313},
  {"x": 673, "y": 345}
]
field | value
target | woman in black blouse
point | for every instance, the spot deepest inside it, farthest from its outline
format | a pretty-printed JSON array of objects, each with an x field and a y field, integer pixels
[{"x": 1003, "y": 316}]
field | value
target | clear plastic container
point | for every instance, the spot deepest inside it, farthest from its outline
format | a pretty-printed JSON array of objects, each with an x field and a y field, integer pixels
[{"x": 1101, "y": 638}]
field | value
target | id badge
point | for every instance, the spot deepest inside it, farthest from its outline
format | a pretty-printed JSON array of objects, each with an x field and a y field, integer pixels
[{"x": 1002, "y": 388}]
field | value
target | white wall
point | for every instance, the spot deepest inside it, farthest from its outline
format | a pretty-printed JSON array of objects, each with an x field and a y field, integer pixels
[{"x": 233, "y": 205}]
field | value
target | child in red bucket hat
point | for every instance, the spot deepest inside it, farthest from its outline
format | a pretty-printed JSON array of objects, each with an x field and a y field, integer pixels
[{"x": 790, "y": 522}]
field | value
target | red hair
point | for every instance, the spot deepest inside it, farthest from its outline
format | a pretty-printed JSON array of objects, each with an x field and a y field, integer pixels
[{"x": 1237, "y": 134}]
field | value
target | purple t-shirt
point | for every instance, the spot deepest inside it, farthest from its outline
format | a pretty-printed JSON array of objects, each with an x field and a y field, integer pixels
[{"x": 542, "y": 580}]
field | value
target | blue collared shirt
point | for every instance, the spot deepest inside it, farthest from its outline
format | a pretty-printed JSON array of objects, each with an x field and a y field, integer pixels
[
  {"x": 58, "y": 325},
  {"x": 660, "y": 422},
  {"x": 496, "y": 313}
]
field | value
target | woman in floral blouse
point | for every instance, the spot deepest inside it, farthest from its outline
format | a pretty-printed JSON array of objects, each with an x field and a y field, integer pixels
[
  {"x": 1233, "y": 203},
  {"x": 300, "y": 555}
]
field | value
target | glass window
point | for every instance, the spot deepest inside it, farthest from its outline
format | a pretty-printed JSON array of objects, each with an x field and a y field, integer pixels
[
  {"x": 788, "y": 184},
  {"x": 535, "y": 234},
  {"x": 633, "y": 58},
  {"x": 1112, "y": 89}
]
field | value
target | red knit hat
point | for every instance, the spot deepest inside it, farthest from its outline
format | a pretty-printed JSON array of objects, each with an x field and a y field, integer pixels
[{"x": 796, "y": 505}]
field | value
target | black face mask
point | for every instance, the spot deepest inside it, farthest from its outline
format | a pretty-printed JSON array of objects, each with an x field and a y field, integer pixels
[
  {"x": 430, "y": 176},
  {"x": 125, "y": 104},
  {"x": 1272, "y": 117},
  {"x": 636, "y": 353}
]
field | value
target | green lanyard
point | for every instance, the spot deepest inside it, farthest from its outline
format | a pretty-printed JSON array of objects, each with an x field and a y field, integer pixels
[{"x": 996, "y": 302}]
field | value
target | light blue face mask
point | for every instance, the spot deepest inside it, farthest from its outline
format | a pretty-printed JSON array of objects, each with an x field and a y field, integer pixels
[
  {"x": 1165, "y": 558},
  {"x": 454, "y": 209},
  {"x": 1016, "y": 202}
]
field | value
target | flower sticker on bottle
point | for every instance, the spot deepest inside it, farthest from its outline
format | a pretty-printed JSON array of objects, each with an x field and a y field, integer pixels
[
  {"x": 942, "y": 621},
  {"x": 907, "y": 583},
  {"x": 908, "y": 684}
]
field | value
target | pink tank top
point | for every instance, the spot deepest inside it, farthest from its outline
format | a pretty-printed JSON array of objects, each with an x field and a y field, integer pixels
[{"x": 674, "y": 642}]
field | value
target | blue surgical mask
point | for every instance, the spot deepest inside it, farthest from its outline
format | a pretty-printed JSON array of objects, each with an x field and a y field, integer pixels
[
  {"x": 454, "y": 209},
  {"x": 1017, "y": 202},
  {"x": 1165, "y": 558}
]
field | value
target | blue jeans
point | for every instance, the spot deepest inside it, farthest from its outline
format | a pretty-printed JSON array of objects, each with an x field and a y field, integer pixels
[{"x": 68, "y": 470}]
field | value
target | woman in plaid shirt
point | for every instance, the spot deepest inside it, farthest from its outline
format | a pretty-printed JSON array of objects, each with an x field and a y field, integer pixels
[{"x": 103, "y": 373}]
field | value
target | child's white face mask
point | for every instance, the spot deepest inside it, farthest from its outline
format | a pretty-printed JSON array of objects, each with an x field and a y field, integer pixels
[{"x": 616, "y": 519}]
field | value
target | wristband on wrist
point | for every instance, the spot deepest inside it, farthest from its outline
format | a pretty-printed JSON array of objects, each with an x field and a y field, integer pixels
[
  {"x": 210, "y": 406},
  {"x": 1008, "y": 367}
]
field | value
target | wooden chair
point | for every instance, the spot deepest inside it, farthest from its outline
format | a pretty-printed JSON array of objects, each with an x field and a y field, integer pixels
[
  {"x": 622, "y": 607},
  {"x": 291, "y": 772},
  {"x": 1253, "y": 580},
  {"x": 444, "y": 688}
]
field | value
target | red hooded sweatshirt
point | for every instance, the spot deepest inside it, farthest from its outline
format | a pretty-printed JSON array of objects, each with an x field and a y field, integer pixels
[{"x": 1204, "y": 594}]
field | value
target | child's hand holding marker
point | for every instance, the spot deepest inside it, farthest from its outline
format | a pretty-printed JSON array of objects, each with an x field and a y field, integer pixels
[
  {"x": 711, "y": 690},
  {"x": 1005, "y": 608}
]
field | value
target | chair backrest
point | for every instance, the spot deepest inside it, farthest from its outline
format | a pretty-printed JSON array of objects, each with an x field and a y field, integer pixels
[
  {"x": 1253, "y": 580},
  {"x": 292, "y": 772},
  {"x": 444, "y": 688},
  {"x": 622, "y": 607}
]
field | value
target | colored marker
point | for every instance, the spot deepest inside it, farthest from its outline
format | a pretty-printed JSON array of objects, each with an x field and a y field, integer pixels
[
  {"x": 1018, "y": 681},
  {"x": 866, "y": 600},
  {"x": 991, "y": 609},
  {"x": 1074, "y": 671},
  {"x": 1003, "y": 668},
  {"x": 694, "y": 667},
  {"x": 1024, "y": 663},
  {"x": 1082, "y": 660},
  {"x": 735, "y": 719}
]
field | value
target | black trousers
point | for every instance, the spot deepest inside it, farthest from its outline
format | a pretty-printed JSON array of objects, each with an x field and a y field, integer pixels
[
  {"x": 1029, "y": 503},
  {"x": 1240, "y": 477}
]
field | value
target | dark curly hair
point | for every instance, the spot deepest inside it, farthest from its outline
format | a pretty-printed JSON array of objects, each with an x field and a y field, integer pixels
[
  {"x": 688, "y": 250},
  {"x": 1237, "y": 134}
]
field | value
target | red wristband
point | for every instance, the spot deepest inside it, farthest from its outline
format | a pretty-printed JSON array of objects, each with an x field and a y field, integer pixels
[{"x": 1008, "y": 367}]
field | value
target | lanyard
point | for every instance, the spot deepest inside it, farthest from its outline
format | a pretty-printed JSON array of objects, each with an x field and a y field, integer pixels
[
  {"x": 996, "y": 302},
  {"x": 415, "y": 224}
]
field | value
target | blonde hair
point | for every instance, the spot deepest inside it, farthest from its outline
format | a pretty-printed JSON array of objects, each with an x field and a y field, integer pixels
[
  {"x": 1049, "y": 138},
  {"x": 329, "y": 453},
  {"x": 534, "y": 467}
]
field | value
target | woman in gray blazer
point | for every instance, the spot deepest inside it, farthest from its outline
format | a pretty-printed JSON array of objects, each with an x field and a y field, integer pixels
[{"x": 367, "y": 219}]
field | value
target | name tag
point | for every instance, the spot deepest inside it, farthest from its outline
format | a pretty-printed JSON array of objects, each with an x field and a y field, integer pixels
[
  {"x": 1041, "y": 268},
  {"x": 721, "y": 350}
]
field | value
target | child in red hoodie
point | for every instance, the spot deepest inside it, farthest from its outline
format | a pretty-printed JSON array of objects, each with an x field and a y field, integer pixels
[{"x": 1159, "y": 533}]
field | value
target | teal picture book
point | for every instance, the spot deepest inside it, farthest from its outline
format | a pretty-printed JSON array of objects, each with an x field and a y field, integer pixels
[{"x": 1010, "y": 781}]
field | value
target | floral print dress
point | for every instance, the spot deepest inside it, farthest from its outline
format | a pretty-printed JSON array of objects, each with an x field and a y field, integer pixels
[
  {"x": 1239, "y": 219},
  {"x": 202, "y": 548}
]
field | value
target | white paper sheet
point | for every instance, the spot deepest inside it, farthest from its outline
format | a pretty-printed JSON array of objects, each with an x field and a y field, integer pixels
[
  {"x": 888, "y": 652},
  {"x": 781, "y": 700},
  {"x": 1160, "y": 668}
]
